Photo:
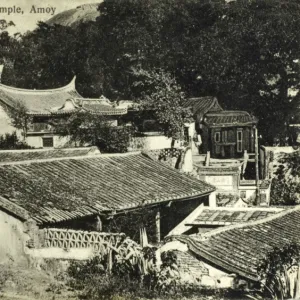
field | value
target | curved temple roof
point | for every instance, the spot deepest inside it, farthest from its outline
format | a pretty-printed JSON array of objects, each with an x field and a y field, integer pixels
[
  {"x": 38, "y": 101},
  {"x": 63, "y": 100}
]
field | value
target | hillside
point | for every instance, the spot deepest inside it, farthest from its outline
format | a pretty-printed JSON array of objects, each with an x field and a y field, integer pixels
[{"x": 73, "y": 17}]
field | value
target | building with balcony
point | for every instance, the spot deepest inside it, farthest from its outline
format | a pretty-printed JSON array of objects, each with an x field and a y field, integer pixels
[{"x": 225, "y": 134}]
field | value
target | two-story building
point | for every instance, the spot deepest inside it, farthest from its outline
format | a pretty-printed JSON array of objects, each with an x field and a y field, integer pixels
[{"x": 226, "y": 134}]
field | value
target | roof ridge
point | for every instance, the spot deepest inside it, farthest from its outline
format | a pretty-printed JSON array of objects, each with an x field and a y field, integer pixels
[
  {"x": 107, "y": 155},
  {"x": 252, "y": 208},
  {"x": 228, "y": 111},
  {"x": 211, "y": 233},
  {"x": 44, "y": 150},
  {"x": 69, "y": 86}
]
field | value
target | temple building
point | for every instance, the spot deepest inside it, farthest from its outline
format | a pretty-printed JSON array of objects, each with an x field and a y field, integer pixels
[{"x": 44, "y": 107}]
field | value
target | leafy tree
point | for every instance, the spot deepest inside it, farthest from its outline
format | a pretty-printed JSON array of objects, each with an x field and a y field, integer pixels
[
  {"x": 87, "y": 128},
  {"x": 19, "y": 117},
  {"x": 273, "y": 269},
  {"x": 251, "y": 60},
  {"x": 165, "y": 98},
  {"x": 244, "y": 52},
  {"x": 285, "y": 189}
]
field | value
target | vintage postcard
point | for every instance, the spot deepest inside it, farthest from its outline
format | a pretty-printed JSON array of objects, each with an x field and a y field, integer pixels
[{"x": 149, "y": 149}]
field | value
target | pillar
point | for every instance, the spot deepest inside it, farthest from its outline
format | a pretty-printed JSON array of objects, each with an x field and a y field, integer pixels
[
  {"x": 256, "y": 167},
  {"x": 98, "y": 224},
  {"x": 157, "y": 226},
  {"x": 212, "y": 200}
]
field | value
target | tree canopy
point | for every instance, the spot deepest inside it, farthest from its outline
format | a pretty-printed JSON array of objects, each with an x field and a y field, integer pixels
[
  {"x": 85, "y": 128},
  {"x": 244, "y": 52}
]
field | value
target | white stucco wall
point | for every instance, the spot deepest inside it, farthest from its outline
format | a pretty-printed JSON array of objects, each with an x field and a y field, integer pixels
[
  {"x": 152, "y": 143},
  {"x": 59, "y": 253},
  {"x": 12, "y": 239},
  {"x": 222, "y": 183},
  {"x": 36, "y": 141},
  {"x": 5, "y": 122}
]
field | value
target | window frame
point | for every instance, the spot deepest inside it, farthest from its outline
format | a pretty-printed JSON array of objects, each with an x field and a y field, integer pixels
[
  {"x": 217, "y": 133},
  {"x": 239, "y": 142},
  {"x": 47, "y": 138}
]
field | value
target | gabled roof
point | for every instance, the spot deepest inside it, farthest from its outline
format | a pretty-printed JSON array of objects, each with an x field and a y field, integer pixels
[
  {"x": 229, "y": 118},
  {"x": 240, "y": 248},
  {"x": 38, "y": 102},
  {"x": 54, "y": 190},
  {"x": 220, "y": 216},
  {"x": 202, "y": 105},
  {"x": 35, "y": 154}
]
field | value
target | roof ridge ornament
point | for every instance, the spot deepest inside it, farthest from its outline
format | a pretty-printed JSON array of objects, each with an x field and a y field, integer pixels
[{"x": 103, "y": 98}]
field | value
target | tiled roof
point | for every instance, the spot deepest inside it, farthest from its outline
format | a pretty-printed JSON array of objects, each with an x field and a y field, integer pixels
[
  {"x": 229, "y": 118},
  {"x": 35, "y": 154},
  {"x": 240, "y": 248},
  {"x": 54, "y": 190},
  {"x": 101, "y": 107},
  {"x": 202, "y": 105},
  {"x": 218, "y": 170},
  {"x": 52, "y": 101},
  {"x": 38, "y": 101},
  {"x": 228, "y": 216}
]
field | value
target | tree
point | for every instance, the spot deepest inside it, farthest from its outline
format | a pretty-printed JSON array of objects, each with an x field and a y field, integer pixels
[
  {"x": 164, "y": 97},
  {"x": 92, "y": 129},
  {"x": 285, "y": 189},
  {"x": 244, "y": 52},
  {"x": 250, "y": 60},
  {"x": 20, "y": 119},
  {"x": 276, "y": 279}
]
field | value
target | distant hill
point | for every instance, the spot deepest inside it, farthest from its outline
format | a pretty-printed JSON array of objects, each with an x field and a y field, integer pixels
[{"x": 73, "y": 17}]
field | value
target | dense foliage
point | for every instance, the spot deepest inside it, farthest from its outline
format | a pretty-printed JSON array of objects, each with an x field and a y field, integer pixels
[
  {"x": 19, "y": 117},
  {"x": 285, "y": 189},
  {"x": 279, "y": 272},
  {"x": 11, "y": 141},
  {"x": 90, "y": 129},
  {"x": 134, "y": 280},
  {"x": 161, "y": 94},
  {"x": 244, "y": 52}
]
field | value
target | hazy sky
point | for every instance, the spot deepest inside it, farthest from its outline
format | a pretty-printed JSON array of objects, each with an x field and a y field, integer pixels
[{"x": 27, "y": 20}]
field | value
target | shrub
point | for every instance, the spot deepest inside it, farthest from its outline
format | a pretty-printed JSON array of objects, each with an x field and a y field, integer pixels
[
  {"x": 4, "y": 276},
  {"x": 11, "y": 141}
]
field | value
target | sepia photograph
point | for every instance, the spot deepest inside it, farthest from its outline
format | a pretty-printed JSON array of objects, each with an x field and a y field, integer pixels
[{"x": 149, "y": 149}]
